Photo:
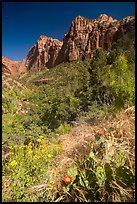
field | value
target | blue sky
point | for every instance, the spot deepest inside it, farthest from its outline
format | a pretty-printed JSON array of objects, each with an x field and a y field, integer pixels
[{"x": 24, "y": 22}]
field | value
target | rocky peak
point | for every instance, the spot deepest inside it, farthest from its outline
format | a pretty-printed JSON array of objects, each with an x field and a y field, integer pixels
[
  {"x": 48, "y": 41},
  {"x": 80, "y": 23},
  {"x": 79, "y": 19},
  {"x": 128, "y": 19},
  {"x": 43, "y": 53},
  {"x": 86, "y": 35},
  {"x": 13, "y": 67},
  {"x": 79, "y": 43},
  {"x": 105, "y": 18}
]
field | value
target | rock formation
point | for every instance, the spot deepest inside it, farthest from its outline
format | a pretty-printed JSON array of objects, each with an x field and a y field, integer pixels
[
  {"x": 13, "y": 67},
  {"x": 43, "y": 53},
  {"x": 83, "y": 38},
  {"x": 86, "y": 35}
]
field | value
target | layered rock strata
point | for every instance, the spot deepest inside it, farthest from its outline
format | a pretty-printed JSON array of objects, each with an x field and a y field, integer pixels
[
  {"x": 86, "y": 35},
  {"x": 79, "y": 43},
  {"x": 43, "y": 53},
  {"x": 13, "y": 67}
]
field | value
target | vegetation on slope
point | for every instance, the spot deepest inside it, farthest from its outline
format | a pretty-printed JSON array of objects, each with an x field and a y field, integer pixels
[
  {"x": 39, "y": 107},
  {"x": 106, "y": 172}
]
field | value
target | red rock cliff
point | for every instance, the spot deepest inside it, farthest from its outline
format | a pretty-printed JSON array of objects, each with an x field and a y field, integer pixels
[
  {"x": 86, "y": 35},
  {"x": 83, "y": 38},
  {"x": 13, "y": 67},
  {"x": 43, "y": 53}
]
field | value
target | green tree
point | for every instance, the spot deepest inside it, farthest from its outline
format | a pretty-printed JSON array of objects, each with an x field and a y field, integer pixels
[
  {"x": 98, "y": 80},
  {"x": 122, "y": 81}
]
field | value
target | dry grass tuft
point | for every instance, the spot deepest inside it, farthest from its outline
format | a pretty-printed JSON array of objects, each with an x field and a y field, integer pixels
[{"x": 77, "y": 144}]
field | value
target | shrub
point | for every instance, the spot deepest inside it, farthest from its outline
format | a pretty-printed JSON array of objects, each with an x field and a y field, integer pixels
[
  {"x": 122, "y": 82},
  {"x": 27, "y": 166},
  {"x": 105, "y": 175}
]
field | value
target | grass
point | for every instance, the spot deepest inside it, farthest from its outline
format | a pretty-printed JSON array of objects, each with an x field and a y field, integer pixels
[
  {"x": 76, "y": 119},
  {"x": 107, "y": 172},
  {"x": 28, "y": 165},
  {"x": 33, "y": 168}
]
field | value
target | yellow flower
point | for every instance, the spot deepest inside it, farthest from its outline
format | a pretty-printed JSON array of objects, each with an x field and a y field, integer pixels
[
  {"x": 22, "y": 147},
  {"x": 52, "y": 182},
  {"x": 30, "y": 151},
  {"x": 41, "y": 137},
  {"x": 49, "y": 155},
  {"x": 44, "y": 146},
  {"x": 35, "y": 157},
  {"x": 13, "y": 163},
  {"x": 38, "y": 140},
  {"x": 16, "y": 156},
  {"x": 54, "y": 172},
  {"x": 15, "y": 147},
  {"x": 30, "y": 145},
  {"x": 64, "y": 188},
  {"x": 11, "y": 147}
]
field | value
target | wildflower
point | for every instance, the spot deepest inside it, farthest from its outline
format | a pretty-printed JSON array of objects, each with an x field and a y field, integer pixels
[
  {"x": 13, "y": 163},
  {"x": 119, "y": 134},
  {"x": 67, "y": 179},
  {"x": 22, "y": 147},
  {"x": 49, "y": 155},
  {"x": 44, "y": 146},
  {"x": 38, "y": 140},
  {"x": 30, "y": 143},
  {"x": 30, "y": 151},
  {"x": 52, "y": 182},
  {"x": 54, "y": 172},
  {"x": 41, "y": 137},
  {"x": 35, "y": 157},
  {"x": 91, "y": 155},
  {"x": 100, "y": 132},
  {"x": 64, "y": 188},
  {"x": 11, "y": 147},
  {"x": 15, "y": 147}
]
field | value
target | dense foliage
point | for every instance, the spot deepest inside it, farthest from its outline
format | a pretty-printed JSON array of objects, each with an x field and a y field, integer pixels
[{"x": 42, "y": 105}]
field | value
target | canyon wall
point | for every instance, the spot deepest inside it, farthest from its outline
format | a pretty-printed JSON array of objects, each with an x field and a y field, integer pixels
[{"x": 79, "y": 43}]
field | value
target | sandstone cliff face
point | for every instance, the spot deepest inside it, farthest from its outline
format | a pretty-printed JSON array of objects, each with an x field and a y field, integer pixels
[
  {"x": 43, "y": 53},
  {"x": 87, "y": 35},
  {"x": 13, "y": 67},
  {"x": 79, "y": 43}
]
